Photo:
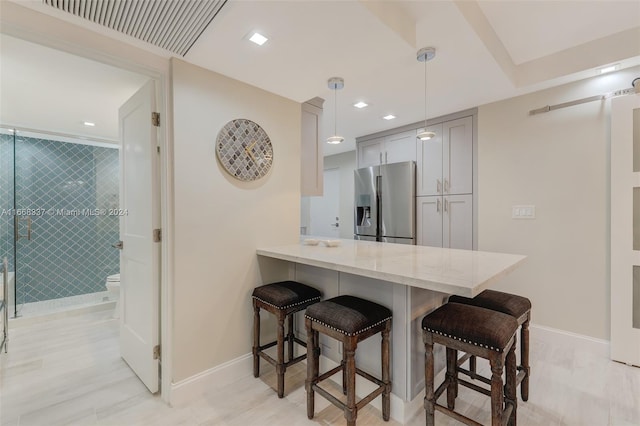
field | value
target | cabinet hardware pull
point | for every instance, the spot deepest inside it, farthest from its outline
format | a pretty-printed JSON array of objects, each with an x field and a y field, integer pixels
[
  {"x": 446, "y": 205},
  {"x": 385, "y": 158},
  {"x": 438, "y": 205},
  {"x": 438, "y": 185}
]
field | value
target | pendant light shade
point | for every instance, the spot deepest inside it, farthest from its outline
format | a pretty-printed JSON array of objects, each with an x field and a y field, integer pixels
[
  {"x": 424, "y": 55},
  {"x": 335, "y": 84}
]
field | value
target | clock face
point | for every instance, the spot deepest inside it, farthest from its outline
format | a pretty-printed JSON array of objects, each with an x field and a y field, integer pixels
[{"x": 244, "y": 150}]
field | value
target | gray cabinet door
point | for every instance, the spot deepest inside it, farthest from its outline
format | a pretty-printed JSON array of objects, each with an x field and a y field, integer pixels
[
  {"x": 429, "y": 164},
  {"x": 457, "y": 222},
  {"x": 429, "y": 221},
  {"x": 457, "y": 157}
]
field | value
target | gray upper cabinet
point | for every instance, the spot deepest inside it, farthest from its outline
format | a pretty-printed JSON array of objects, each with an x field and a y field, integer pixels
[
  {"x": 312, "y": 159},
  {"x": 388, "y": 149},
  {"x": 429, "y": 164},
  {"x": 445, "y": 163}
]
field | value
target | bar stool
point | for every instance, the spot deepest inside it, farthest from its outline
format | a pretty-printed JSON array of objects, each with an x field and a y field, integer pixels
[
  {"x": 282, "y": 299},
  {"x": 518, "y": 307},
  {"x": 349, "y": 320},
  {"x": 481, "y": 332}
]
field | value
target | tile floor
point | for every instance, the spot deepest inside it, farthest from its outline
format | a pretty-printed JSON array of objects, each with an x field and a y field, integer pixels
[{"x": 68, "y": 371}]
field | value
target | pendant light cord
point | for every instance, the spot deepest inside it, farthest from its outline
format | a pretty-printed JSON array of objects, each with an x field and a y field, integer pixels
[
  {"x": 425, "y": 93},
  {"x": 335, "y": 111}
]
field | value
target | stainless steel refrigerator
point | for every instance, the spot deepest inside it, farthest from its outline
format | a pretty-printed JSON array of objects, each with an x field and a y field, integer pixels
[{"x": 385, "y": 203}]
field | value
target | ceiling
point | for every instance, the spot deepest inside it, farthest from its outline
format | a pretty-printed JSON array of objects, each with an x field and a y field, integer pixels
[
  {"x": 47, "y": 89},
  {"x": 486, "y": 51}
]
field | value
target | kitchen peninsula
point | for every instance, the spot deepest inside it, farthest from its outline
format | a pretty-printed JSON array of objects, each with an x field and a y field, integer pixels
[{"x": 410, "y": 280}]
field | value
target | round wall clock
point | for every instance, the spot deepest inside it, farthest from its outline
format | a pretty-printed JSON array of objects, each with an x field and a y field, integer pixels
[{"x": 244, "y": 150}]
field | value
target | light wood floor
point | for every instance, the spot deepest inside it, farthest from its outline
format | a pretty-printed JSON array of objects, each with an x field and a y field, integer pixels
[{"x": 68, "y": 372}]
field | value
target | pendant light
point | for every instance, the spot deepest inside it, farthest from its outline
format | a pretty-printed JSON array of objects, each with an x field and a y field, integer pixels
[
  {"x": 335, "y": 84},
  {"x": 425, "y": 54}
]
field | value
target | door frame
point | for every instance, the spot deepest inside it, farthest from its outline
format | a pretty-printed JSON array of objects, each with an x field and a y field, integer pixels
[{"x": 25, "y": 24}]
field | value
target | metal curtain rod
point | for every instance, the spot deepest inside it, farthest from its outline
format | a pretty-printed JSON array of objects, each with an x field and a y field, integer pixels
[{"x": 613, "y": 94}]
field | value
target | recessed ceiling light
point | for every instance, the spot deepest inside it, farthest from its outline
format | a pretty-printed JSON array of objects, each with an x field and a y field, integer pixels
[
  {"x": 258, "y": 39},
  {"x": 89, "y": 124},
  {"x": 360, "y": 104},
  {"x": 607, "y": 69},
  {"x": 389, "y": 117}
]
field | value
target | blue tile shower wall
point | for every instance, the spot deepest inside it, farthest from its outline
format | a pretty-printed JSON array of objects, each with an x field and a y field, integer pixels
[
  {"x": 67, "y": 255},
  {"x": 6, "y": 198}
]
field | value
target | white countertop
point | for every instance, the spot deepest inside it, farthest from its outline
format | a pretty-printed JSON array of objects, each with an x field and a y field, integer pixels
[{"x": 462, "y": 272}]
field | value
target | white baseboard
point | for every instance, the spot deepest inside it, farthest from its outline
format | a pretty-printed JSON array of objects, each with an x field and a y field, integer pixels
[
  {"x": 558, "y": 337},
  {"x": 222, "y": 375}
]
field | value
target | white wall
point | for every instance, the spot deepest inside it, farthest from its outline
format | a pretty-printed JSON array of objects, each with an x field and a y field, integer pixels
[
  {"x": 559, "y": 162},
  {"x": 346, "y": 162},
  {"x": 220, "y": 221}
]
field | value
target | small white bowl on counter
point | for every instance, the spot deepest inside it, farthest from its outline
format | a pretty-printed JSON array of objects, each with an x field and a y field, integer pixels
[
  {"x": 331, "y": 243},
  {"x": 310, "y": 242}
]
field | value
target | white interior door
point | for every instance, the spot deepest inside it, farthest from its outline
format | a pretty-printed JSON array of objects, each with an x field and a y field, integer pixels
[
  {"x": 625, "y": 229},
  {"x": 325, "y": 210},
  {"x": 139, "y": 258}
]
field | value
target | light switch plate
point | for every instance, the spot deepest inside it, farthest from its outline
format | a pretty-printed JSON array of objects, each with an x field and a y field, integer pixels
[{"x": 523, "y": 212}]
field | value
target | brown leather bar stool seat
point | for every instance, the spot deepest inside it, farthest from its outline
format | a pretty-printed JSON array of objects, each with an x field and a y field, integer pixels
[
  {"x": 282, "y": 299},
  {"x": 480, "y": 332},
  {"x": 518, "y": 307},
  {"x": 349, "y": 320}
]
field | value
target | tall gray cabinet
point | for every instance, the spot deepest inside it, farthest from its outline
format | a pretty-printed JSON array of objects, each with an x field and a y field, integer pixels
[{"x": 445, "y": 176}]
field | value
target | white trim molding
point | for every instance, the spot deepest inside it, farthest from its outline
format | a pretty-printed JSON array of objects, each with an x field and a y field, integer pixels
[
  {"x": 220, "y": 376},
  {"x": 553, "y": 336}
]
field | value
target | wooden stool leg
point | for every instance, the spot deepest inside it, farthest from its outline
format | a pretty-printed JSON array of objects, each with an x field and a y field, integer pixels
[
  {"x": 350, "y": 411},
  {"x": 313, "y": 354},
  {"x": 452, "y": 377},
  {"x": 386, "y": 394},
  {"x": 280, "y": 367},
  {"x": 472, "y": 367},
  {"x": 497, "y": 396},
  {"x": 256, "y": 340},
  {"x": 290, "y": 336},
  {"x": 343, "y": 364},
  {"x": 524, "y": 355},
  {"x": 429, "y": 402},
  {"x": 510, "y": 387}
]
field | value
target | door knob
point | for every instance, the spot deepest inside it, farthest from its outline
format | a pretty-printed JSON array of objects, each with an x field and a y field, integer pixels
[{"x": 119, "y": 245}]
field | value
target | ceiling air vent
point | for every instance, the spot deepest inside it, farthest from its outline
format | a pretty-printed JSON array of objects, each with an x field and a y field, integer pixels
[{"x": 174, "y": 25}]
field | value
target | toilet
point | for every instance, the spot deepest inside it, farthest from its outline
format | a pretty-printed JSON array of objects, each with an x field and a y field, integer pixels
[{"x": 113, "y": 286}]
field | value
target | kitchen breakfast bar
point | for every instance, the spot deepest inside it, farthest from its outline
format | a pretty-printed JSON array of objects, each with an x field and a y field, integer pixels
[{"x": 410, "y": 280}]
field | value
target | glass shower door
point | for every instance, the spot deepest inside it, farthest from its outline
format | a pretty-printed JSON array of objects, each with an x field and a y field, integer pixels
[
  {"x": 65, "y": 190},
  {"x": 7, "y": 224}
]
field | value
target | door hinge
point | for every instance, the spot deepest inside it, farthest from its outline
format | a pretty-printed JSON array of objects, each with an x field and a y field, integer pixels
[
  {"x": 157, "y": 235},
  {"x": 156, "y": 352},
  {"x": 155, "y": 119}
]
